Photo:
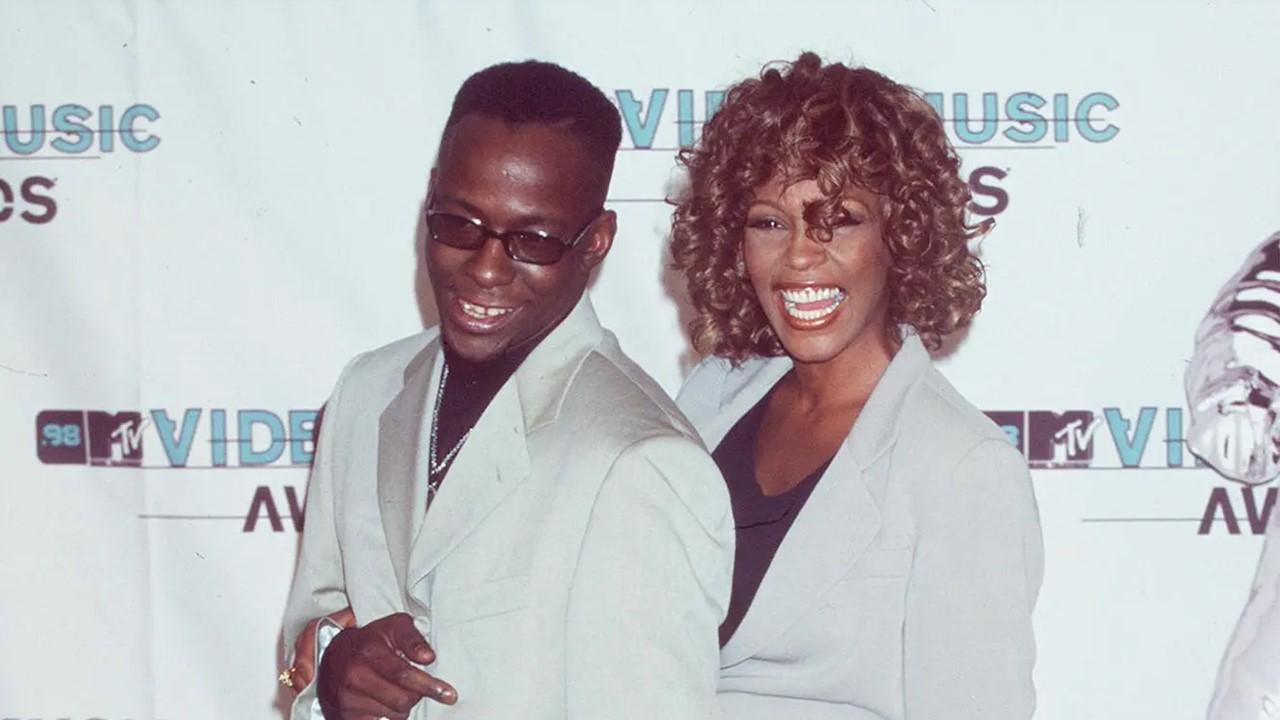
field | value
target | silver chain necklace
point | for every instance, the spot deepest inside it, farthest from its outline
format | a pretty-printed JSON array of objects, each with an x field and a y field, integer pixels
[{"x": 440, "y": 464}]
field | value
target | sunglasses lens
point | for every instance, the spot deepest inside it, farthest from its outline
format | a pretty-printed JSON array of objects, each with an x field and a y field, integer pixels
[
  {"x": 455, "y": 231},
  {"x": 460, "y": 232},
  {"x": 534, "y": 248}
]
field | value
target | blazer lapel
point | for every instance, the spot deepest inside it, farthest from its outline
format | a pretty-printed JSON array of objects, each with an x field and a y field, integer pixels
[
  {"x": 495, "y": 459},
  {"x": 841, "y": 517},
  {"x": 402, "y": 432},
  {"x": 491, "y": 465},
  {"x": 834, "y": 527},
  {"x": 745, "y": 392}
]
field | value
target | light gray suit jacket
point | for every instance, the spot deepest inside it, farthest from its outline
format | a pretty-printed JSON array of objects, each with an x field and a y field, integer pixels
[
  {"x": 905, "y": 587},
  {"x": 576, "y": 563}
]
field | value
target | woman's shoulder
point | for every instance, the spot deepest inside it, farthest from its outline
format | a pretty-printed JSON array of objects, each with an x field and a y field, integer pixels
[
  {"x": 949, "y": 455},
  {"x": 715, "y": 380},
  {"x": 939, "y": 419}
]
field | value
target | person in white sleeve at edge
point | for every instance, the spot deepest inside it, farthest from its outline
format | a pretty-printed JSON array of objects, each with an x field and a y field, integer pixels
[
  {"x": 1231, "y": 390},
  {"x": 520, "y": 521},
  {"x": 888, "y": 551}
]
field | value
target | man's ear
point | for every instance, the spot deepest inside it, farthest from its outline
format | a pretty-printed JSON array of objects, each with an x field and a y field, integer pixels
[
  {"x": 599, "y": 239},
  {"x": 431, "y": 185}
]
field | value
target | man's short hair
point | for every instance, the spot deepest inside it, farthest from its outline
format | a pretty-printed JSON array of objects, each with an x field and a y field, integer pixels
[{"x": 535, "y": 92}]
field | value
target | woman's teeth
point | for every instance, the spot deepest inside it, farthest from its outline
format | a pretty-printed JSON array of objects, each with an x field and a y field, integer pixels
[
  {"x": 811, "y": 303},
  {"x": 481, "y": 312}
]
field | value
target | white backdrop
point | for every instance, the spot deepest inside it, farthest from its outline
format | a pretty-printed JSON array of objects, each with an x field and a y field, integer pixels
[{"x": 246, "y": 223}]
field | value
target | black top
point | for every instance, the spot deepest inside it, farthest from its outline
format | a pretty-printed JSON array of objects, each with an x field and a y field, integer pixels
[
  {"x": 760, "y": 521},
  {"x": 468, "y": 391}
]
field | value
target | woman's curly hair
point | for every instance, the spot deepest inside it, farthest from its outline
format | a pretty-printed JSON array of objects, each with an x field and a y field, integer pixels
[{"x": 844, "y": 127}]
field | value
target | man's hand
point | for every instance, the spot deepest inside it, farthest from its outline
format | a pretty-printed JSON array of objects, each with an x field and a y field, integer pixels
[
  {"x": 304, "y": 648},
  {"x": 366, "y": 672}
]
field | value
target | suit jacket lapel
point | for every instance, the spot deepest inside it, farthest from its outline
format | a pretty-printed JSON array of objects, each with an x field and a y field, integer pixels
[
  {"x": 840, "y": 518},
  {"x": 832, "y": 530},
  {"x": 495, "y": 459},
  {"x": 491, "y": 465},
  {"x": 742, "y": 396},
  {"x": 403, "y": 429}
]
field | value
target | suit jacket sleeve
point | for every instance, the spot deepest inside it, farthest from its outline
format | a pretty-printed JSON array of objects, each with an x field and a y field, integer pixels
[
  {"x": 968, "y": 643},
  {"x": 319, "y": 587},
  {"x": 651, "y": 588}
]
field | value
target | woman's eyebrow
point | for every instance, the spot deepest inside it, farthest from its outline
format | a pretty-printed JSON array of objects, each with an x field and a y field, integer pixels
[{"x": 844, "y": 203}]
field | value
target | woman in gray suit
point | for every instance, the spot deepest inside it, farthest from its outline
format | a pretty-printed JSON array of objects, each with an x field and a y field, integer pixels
[{"x": 888, "y": 546}]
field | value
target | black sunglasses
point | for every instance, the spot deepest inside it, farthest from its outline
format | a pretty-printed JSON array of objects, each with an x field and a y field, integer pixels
[{"x": 528, "y": 246}]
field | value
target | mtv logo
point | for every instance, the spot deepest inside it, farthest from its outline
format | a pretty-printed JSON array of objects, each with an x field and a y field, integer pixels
[
  {"x": 89, "y": 437},
  {"x": 1061, "y": 439},
  {"x": 115, "y": 438}
]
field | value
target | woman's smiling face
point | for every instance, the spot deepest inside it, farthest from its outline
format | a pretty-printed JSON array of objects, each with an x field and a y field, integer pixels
[{"x": 823, "y": 296}]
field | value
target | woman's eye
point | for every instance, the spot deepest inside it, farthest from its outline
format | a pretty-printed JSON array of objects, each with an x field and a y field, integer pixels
[{"x": 765, "y": 223}]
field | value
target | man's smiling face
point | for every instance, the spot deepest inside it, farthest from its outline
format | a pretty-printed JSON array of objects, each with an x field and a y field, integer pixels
[{"x": 509, "y": 178}]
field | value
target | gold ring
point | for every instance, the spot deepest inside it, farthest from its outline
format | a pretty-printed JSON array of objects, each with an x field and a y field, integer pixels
[{"x": 286, "y": 677}]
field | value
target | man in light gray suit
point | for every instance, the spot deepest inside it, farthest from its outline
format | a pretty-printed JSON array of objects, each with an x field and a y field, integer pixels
[{"x": 522, "y": 523}]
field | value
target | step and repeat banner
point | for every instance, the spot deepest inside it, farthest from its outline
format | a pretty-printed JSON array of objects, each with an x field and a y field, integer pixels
[{"x": 207, "y": 208}]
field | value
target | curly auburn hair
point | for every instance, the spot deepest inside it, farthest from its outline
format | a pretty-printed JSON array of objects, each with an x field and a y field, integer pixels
[{"x": 844, "y": 127}]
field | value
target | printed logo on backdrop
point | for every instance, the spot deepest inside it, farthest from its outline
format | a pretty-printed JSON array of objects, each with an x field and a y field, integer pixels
[
  {"x": 986, "y": 122},
  {"x": 190, "y": 439},
  {"x": 1069, "y": 439},
  {"x": 41, "y": 135},
  {"x": 1150, "y": 438}
]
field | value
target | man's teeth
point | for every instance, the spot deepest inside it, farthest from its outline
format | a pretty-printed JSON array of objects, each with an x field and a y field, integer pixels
[
  {"x": 793, "y": 297},
  {"x": 480, "y": 312}
]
